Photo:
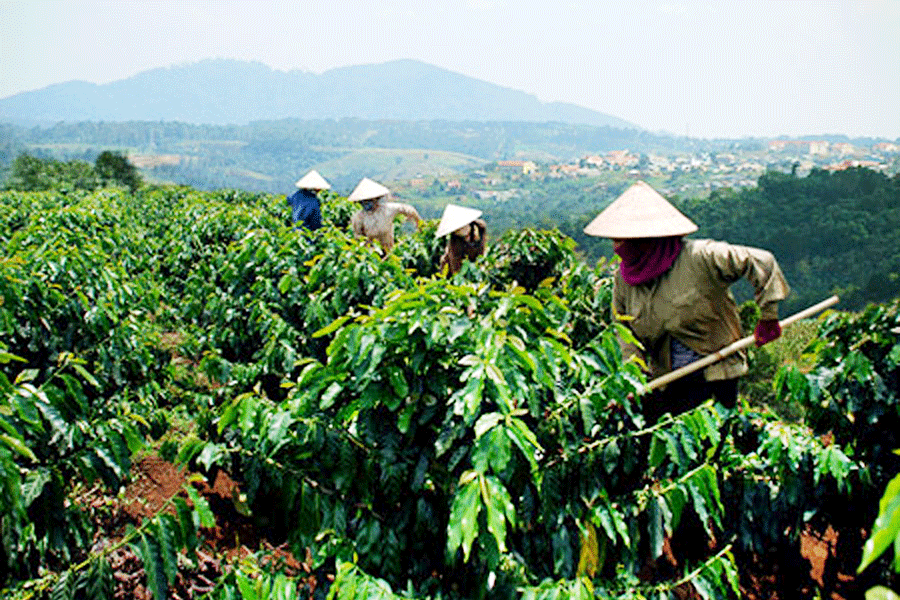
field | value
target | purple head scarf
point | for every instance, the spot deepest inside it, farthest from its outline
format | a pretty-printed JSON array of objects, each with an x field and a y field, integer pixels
[{"x": 647, "y": 258}]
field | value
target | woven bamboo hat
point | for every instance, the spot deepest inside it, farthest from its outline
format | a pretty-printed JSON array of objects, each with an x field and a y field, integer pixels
[
  {"x": 367, "y": 189},
  {"x": 313, "y": 181},
  {"x": 640, "y": 212},
  {"x": 455, "y": 217}
]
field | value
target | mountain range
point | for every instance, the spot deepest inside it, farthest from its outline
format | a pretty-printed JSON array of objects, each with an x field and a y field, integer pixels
[{"x": 225, "y": 91}]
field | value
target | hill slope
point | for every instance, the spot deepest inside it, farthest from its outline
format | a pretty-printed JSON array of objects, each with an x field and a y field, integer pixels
[{"x": 237, "y": 92}]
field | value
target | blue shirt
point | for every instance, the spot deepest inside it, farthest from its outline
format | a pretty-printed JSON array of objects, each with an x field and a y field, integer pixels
[{"x": 305, "y": 211}]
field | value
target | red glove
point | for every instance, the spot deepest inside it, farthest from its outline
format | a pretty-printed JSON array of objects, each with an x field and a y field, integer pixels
[{"x": 766, "y": 331}]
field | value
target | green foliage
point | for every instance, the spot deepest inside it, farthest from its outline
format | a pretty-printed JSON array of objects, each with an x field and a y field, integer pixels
[
  {"x": 31, "y": 174},
  {"x": 54, "y": 435},
  {"x": 851, "y": 395},
  {"x": 530, "y": 257},
  {"x": 832, "y": 232},
  {"x": 886, "y": 529},
  {"x": 467, "y": 436},
  {"x": 792, "y": 348},
  {"x": 113, "y": 167},
  {"x": 852, "y": 391},
  {"x": 885, "y": 534}
]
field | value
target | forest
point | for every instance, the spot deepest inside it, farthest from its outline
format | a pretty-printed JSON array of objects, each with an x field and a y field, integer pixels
[
  {"x": 833, "y": 232},
  {"x": 199, "y": 401}
]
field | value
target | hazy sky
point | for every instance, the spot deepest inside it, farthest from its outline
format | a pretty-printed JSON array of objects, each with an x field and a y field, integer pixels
[{"x": 705, "y": 68}]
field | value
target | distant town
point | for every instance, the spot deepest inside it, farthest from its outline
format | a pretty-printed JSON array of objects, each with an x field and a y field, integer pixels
[{"x": 682, "y": 173}]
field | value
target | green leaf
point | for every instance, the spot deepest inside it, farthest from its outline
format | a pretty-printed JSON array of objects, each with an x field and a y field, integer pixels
[
  {"x": 229, "y": 415},
  {"x": 27, "y": 375},
  {"x": 5, "y": 357},
  {"x": 462, "y": 527},
  {"x": 110, "y": 461},
  {"x": 327, "y": 399},
  {"x": 398, "y": 382},
  {"x": 100, "y": 581},
  {"x": 525, "y": 439},
  {"x": 34, "y": 484},
  {"x": 894, "y": 355},
  {"x": 676, "y": 498},
  {"x": 64, "y": 588},
  {"x": 153, "y": 566},
  {"x": 165, "y": 537},
  {"x": 277, "y": 434},
  {"x": 85, "y": 375},
  {"x": 332, "y": 327},
  {"x": 879, "y": 592},
  {"x": 496, "y": 447},
  {"x": 655, "y": 527},
  {"x": 499, "y": 509},
  {"x": 18, "y": 446},
  {"x": 201, "y": 508},
  {"x": 601, "y": 517},
  {"x": 657, "y": 451},
  {"x": 186, "y": 523},
  {"x": 211, "y": 455},
  {"x": 486, "y": 422},
  {"x": 247, "y": 587},
  {"x": 467, "y": 401},
  {"x": 284, "y": 284},
  {"x": 886, "y": 528},
  {"x": 610, "y": 456},
  {"x": 405, "y": 417},
  {"x": 704, "y": 588}
]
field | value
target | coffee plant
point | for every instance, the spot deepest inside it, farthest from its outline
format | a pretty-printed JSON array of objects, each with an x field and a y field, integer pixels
[
  {"x": 852, "y": 394},
  {"x": 414, "y": 434}
]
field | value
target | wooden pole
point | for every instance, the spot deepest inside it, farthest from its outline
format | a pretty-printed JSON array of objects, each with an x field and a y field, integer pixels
[{"x": 733, "y": 347}]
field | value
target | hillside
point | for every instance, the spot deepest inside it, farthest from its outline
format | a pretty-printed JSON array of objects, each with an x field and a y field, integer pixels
[
  {"x": 213, "y": 156},
  {"x": 364, "y": 426},
  {"x": 237, "y": 92}
]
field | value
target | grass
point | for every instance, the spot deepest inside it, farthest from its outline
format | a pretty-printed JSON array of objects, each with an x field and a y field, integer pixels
[{"x": 764, "y": 362}]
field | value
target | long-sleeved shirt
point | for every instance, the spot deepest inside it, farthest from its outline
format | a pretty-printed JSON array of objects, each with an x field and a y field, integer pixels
[
  {"x": 378, "y": 224},
  {"x": 692, "y": 303},
  {"x": 305, "y": 209}
]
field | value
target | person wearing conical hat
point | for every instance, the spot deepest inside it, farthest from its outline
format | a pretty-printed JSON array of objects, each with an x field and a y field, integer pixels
[
  {"x": 306, "y": 209},
  {"x": 466, "y": 233},
  {"x": 676, "y": 294},
  {"x": 375, "y": 220}
]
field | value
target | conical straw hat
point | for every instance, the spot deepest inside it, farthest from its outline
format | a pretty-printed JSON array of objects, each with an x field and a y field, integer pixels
[
  {"x": 313, "y": 181},
  {"x": 455, "y": 217},
  {"x": 640, "y": 212},
  {"x": 367, "y": 189}
]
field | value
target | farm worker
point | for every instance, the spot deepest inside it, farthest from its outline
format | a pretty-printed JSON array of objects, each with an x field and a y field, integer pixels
[
  {"x": 676, "y": 293},
  {"x": 466, "y": 236},
  {"x": 375, "y": 220},
  {"x": 305, "y": 207}
]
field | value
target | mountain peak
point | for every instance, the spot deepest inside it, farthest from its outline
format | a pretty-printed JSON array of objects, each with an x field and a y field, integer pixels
[{"x": 230, "y": 91}]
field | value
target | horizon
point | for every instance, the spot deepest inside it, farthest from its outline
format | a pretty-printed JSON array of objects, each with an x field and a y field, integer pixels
[{"x": 712, "y": 69}]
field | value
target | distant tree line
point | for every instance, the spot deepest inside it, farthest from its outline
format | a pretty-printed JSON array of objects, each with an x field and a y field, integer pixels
[
  {"x": 276, "y": 152},
  {"x": 34, "y": 174}
]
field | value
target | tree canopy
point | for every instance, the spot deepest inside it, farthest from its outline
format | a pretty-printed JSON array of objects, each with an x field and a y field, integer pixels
[{"x": 830, "y": 231}]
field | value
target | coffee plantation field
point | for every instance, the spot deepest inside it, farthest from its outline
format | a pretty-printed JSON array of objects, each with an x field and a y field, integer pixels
[{"x": 199, "y": 401}]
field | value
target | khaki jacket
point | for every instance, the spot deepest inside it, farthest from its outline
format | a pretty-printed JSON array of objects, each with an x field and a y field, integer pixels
[
  {"x": 379, "y": 224},
  {"x": 692, "y": 302}
]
